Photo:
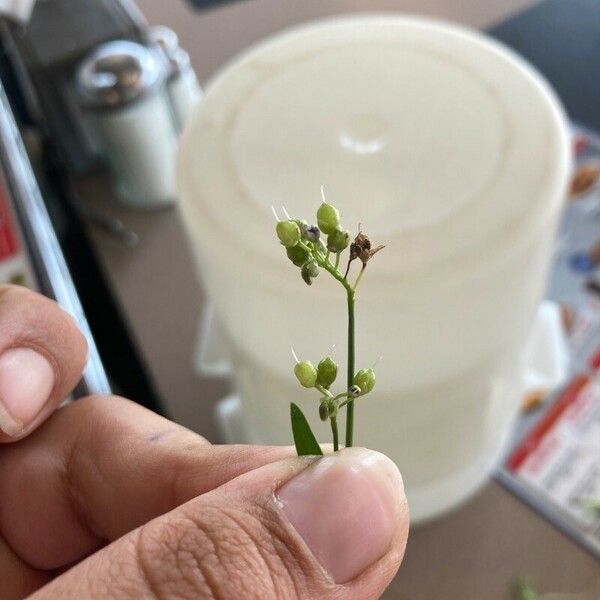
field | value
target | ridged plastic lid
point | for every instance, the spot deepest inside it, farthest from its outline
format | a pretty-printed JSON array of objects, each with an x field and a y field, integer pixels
[{"x": 437, "y": 139}]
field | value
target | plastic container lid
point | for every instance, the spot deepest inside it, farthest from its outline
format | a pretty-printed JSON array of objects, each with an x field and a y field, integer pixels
[{"x": 439, "y": 140}]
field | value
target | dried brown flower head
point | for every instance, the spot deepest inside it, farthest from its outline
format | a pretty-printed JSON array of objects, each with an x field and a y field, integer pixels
[{"x": 362, "y": 249}]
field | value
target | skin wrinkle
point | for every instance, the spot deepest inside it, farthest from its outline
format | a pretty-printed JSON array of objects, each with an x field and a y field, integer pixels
[
  {"x": 124, "y": 578},
  {"x": 145, "y": 571},
  {"x": 279, "y": 535},
  {"x": 235, "y": 515},
  {"x": 263, "y": 555},
  {"x": 156, "y": 551},
  {"x": 206, "y": 524},
  {"x": 255, "y": 541},
  {"x": 188, "y": 570},
  {"x": 75, "y": 493},
  {"x": 180, "y": 486}
]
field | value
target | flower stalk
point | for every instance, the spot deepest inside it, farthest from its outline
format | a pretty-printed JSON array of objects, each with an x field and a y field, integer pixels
[{"x": 307, "y": 251}]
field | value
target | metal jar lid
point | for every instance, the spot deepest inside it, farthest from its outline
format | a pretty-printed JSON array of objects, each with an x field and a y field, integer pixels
[{"x": 118, "y": 73}]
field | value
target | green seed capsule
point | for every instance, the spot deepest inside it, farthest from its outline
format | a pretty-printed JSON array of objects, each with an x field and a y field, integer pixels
[
  {"x": 309, "y": 271},
  {"x": 306, "y": 373},
  {"x": 288, "y": 233},
  {"x": 298, "y": 255},
  {"x": 323, "y": 411},
  {"x": 326, "y": 372},
  {"x": 338, "y": 240},
  {"x": 328, "y": 218},
  {"x": 365, "y": 380}
]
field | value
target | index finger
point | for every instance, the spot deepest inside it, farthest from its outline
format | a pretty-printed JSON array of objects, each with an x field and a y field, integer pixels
[{"x": 42, "y": 356}]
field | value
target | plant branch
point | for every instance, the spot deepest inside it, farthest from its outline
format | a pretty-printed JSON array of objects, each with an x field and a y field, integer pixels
[
  {"x": 362, "y": 270},
  {"x": 324, "y": 391}
]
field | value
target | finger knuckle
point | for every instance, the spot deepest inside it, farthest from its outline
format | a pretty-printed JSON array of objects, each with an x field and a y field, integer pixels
[{"x": 223, "y": 553}]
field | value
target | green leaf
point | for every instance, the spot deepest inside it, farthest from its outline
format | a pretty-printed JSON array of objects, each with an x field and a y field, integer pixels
[
  {"x": 304, "y": 438},
  {"x": 523, "y": 590}
]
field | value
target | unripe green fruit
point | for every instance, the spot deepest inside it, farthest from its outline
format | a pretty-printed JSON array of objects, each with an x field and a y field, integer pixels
[
  {"x": 298, "y": 255},
  {"x": 323, "y": 411},
  {"x": 306, "y": 373},
  {"x": 338, "y": 240},
  {"x": 328, "y": 218},
  {"x": 365, "y": 380},
  {"x": 326, "y": 372},
  {"x": 309, "y": 271},
  {"x": 288, "y": 233}
]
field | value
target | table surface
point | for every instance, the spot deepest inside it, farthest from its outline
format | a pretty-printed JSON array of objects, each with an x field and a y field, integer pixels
[{"x": 471, "y": 554}]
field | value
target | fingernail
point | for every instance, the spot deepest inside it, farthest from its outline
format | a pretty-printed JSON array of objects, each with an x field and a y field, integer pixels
[
  {"x": 26, "y": 382},
  {"x": 346, "y": 508}
]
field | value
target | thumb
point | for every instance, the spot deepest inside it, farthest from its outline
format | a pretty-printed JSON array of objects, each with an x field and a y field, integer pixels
[{"x": 332, "y": 527}]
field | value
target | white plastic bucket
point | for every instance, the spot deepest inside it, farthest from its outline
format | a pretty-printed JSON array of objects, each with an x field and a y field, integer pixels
[{"x": 449, "y": 149}]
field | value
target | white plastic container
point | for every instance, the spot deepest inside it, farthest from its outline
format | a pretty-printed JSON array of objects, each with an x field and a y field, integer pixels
[{"x": 449, "y": 149}]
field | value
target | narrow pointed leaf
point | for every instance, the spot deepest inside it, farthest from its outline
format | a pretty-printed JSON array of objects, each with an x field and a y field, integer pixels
[{"x": 304, "y": 438}]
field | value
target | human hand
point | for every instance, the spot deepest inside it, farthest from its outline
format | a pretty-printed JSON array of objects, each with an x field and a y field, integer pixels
[{"x": 104, "y": 499}]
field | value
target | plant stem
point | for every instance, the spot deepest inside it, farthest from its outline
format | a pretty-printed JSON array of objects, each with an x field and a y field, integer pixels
[
  {"x": 324, "y": 391},
  {"x": 334, "y": 430},
  {"x": 350, "y": 374},
  {"x": 359, "y": 277},
  {"x": 325, "y": 264}
]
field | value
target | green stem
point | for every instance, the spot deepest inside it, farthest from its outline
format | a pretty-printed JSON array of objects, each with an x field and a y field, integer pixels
[
  {"x": 324, "y": 391},
  {"x": 334, "y": 273},
  {"x": 349, "y": 399},
  {"x": 334, "y": 430},
  {"x": 325, "y": 264},
  {"x": 337, "y": 259},
  {"x": 350, "y": 374}
]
